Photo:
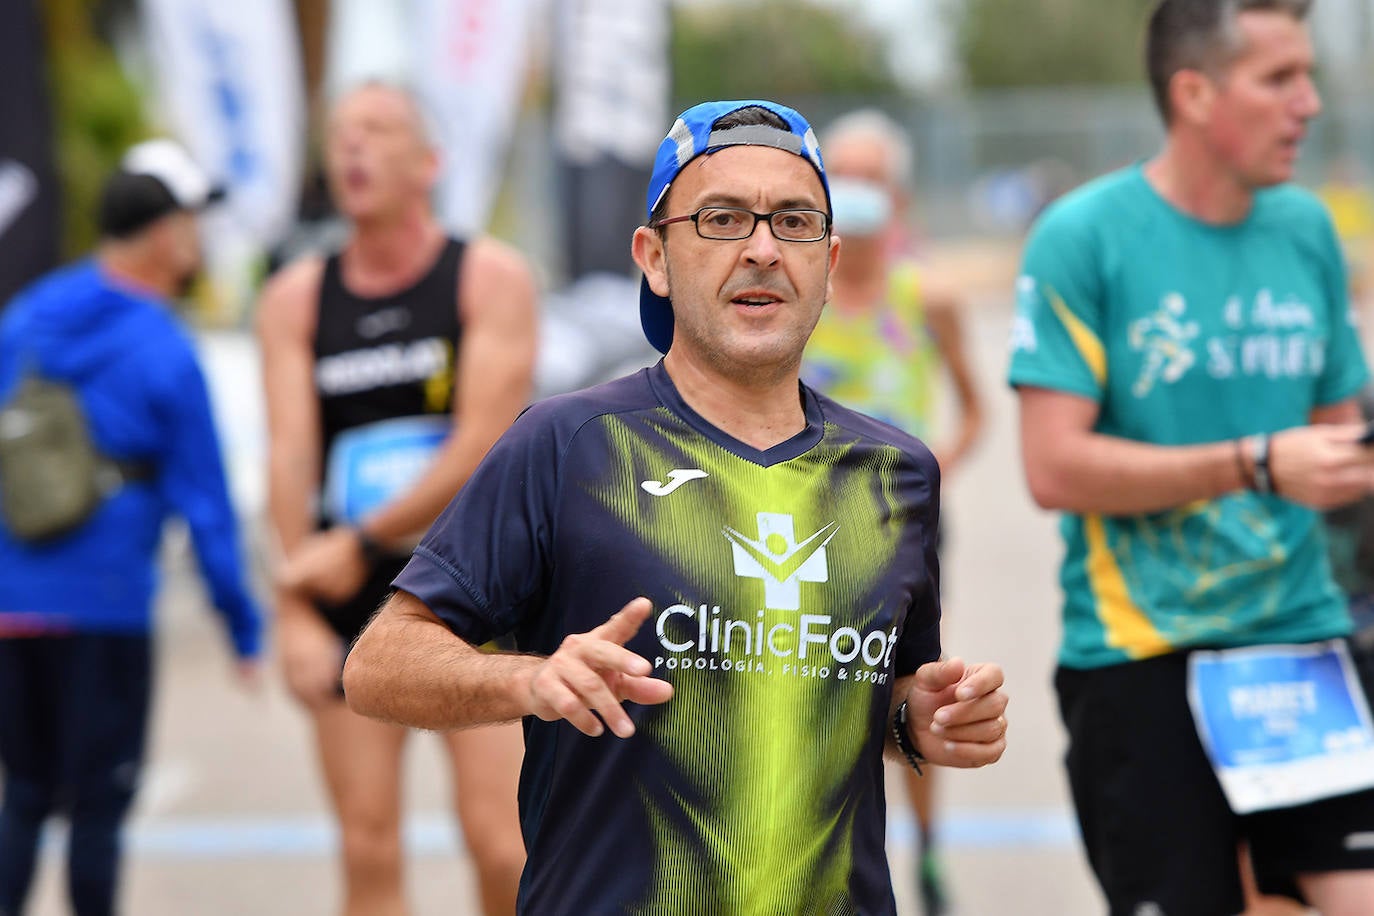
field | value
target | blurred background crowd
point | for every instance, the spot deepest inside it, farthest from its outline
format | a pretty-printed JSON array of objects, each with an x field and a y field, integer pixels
[{"x": 549, "y": 111}]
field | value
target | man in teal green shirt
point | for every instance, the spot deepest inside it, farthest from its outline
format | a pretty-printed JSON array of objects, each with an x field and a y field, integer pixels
[{"x": 1186, "y": 366}]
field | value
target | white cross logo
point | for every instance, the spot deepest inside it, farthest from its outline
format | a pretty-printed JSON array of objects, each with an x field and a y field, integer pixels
[{"x": 781, "y": 562}]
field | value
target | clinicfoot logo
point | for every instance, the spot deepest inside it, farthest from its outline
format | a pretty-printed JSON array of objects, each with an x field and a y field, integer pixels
[
  {"x": 705, "y": 638},
  {"x": 779, "y": 560}
]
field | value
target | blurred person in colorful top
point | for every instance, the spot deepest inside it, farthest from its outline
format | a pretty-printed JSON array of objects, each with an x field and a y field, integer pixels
[{"x": 884, "y": 338}]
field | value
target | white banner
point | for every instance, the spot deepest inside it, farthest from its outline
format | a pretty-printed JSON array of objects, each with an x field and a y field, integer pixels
[
  {"x": 232, "y": 89},
  {"x": 366, "y": 40},
  {"x": 611, "y": 79},
  {"x": 469, "y": 63}
]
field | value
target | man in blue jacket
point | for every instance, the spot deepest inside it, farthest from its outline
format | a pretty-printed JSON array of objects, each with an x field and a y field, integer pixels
[{"x": 75, "y": 609}]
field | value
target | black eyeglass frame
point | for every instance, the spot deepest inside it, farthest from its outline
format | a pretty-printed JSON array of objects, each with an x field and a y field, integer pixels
[{"x": 826, "y": 223}]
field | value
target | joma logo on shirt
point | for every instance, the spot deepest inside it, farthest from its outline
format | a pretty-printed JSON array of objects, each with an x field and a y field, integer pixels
[
  {"x": 676, "y": 478},
  {"x": 779, "y": 559}
]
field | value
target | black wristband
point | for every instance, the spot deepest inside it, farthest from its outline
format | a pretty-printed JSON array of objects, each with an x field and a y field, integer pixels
[
  {"x": 372, "y": 551},
  {"x": 902, "y": 734},
  {"x": 1264, "y": 476}
]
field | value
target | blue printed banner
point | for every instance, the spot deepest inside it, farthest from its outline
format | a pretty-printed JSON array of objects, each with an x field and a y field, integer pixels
[
  {"x": 370, "y": 465},
  {"x": 1282, "y": 725}
]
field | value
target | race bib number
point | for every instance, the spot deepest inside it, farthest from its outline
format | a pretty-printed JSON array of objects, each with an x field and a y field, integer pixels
[
  {"x": 369, "y": 465},
  {"x": 1282, "y": 725}
]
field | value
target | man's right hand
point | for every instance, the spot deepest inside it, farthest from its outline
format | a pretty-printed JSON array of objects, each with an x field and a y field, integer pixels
[
  {"x": 1321, "y": 466},
  {"x": 311, "y": 654},
  {"x": 594, "y": 671}
]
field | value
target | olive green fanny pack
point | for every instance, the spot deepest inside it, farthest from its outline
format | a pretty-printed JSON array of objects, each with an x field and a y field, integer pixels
[{"x": 52, "y": 476}]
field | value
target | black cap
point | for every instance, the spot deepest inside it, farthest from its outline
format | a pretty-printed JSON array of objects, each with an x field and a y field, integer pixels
[{"x": 154, "y": 178}]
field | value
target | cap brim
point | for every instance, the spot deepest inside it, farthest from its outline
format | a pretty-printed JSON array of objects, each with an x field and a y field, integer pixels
[{"x": 656, "y": 317}]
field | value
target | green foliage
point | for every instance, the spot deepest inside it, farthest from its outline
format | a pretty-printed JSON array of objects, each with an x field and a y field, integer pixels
[
  {"x": 1006, "y": 43},
  {"x": 774, "y": 49},
  {"x": 97, "y": 114}
]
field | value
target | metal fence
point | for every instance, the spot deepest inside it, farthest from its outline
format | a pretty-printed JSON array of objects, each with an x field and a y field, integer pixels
[{"x": 987, "y": 161}]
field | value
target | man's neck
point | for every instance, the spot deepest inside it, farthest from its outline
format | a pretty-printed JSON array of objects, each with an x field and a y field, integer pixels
[
  {"x": 382, "y": 256},
  {"x": 129, "y": 265},
  {"x": 760, "y": 411},
  {"x": 1193, "y": 181}
]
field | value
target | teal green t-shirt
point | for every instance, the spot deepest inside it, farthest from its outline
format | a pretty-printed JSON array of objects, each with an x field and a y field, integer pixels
[{"x": 1185, "y": 332}]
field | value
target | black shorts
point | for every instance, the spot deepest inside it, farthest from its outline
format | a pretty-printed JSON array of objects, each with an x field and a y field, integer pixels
[
  {"x": 1155, "y": 823},
  {"x": 349, "y": 617}
]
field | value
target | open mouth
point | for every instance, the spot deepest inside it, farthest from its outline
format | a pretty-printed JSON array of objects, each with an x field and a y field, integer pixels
[
  {"x": 355, "y": 177},
  {"x": 755, "y": 299}
]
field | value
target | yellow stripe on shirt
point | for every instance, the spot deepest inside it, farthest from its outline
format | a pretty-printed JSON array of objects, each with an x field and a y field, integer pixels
[
  {"x": 1088, "y": 344},
  {"x": 1127, "y": 628}
]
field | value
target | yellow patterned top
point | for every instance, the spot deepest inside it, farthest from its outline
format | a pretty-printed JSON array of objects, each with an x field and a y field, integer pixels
[{"x": 879, "y": 361}]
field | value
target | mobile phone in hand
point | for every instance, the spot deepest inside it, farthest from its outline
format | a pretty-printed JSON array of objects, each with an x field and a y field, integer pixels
[{"x": 1367, "y": 437}]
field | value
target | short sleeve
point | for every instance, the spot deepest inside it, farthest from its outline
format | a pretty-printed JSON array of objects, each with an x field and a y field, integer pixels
[
  {"x": 482, "y": 566},
  {"x": 1057, "y": 329},
  {"x": 920, "y": 639}
]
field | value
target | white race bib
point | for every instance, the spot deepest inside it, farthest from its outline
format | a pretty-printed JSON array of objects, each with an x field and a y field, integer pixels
[
  {"x": 1282, "y": 725},
  {"x": 369, "y": 465}
]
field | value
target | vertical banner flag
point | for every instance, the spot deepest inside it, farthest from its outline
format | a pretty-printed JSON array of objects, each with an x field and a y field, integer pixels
[
  {"x": 28, "y": 178},
  {"x": 470, "y": 58},
  {"x": 232, "y": 89},
  {"x": 611, "y": 85},
  {"x": 366, "y": 39}
]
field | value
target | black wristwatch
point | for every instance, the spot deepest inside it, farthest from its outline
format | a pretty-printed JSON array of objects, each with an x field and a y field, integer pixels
[{"x": 904, "y": 742}]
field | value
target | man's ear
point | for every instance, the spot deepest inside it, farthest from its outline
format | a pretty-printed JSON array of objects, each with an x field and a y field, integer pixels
[
  {"x": 833, "y": 257},
  {"x": 1191, "y": 93},
  {"x": 647, "y": 250}
]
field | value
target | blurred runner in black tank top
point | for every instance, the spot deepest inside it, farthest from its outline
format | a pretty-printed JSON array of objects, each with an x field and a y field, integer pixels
[
  {"x": 384, "y": 371},
  {"x": 390, "y": 368}
]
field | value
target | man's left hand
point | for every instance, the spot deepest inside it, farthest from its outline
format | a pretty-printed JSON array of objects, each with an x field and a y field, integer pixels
[{"x": 956, "y": 713}]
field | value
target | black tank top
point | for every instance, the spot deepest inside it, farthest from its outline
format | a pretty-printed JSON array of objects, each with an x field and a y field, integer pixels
[{"x": 388, "y": 357}]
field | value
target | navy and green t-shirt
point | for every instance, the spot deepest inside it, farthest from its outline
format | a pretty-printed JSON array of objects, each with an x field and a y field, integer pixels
[
  {"x": 1185, "y": 332},
  {"x": 790, "y": 587}
]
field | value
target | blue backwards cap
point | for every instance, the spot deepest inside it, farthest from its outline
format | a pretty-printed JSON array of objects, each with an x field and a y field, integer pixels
[{"x": 690, "y": 137}]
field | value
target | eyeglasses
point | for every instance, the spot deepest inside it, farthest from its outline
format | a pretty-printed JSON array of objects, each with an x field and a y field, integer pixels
[{"x": 729, "y": 224}]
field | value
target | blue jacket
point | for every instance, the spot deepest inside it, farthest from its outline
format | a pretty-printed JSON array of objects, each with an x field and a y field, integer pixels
[{"x": 145, "y": 398}]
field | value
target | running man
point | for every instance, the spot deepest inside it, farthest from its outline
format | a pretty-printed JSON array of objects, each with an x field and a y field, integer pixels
[
  {"x": 881, "y": 342},
  {"x": 747, "y": 566},
  {"x": 1187, "y": 370},
  {"x": 390, "y": 369}
]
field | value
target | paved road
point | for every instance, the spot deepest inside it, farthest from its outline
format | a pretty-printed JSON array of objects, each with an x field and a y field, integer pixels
[{"x": 232, "y": 821}]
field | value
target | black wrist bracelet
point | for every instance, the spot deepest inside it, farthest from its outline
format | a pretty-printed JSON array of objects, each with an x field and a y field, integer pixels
[
  {"x": 372, "y": 551},
  {"x": 902, "y": 734},
  {"x": 1264, "y": 476}
]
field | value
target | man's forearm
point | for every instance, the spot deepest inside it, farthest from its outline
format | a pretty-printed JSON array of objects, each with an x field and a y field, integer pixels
[
  {"x": 408, "y": 668},
  {"x": 288, "y": 497},
  {"x": 1099, "y": 474}
]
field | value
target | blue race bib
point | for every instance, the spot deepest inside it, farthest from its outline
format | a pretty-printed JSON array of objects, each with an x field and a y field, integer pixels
[
  {"x": 1282, "y": 725},
  {"x": 370, "y": 465}
]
